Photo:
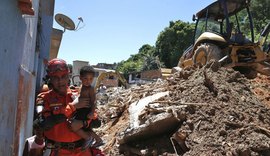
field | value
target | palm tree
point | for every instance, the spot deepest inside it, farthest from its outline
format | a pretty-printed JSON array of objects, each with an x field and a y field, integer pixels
[{"x": 151, "y": 62}]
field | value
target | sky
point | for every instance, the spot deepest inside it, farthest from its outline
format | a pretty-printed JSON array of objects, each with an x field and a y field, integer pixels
[{"x": 112, "y": 30}]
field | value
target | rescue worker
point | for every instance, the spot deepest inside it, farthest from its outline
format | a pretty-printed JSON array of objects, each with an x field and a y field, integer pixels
[{"x": 57, "y": 108}]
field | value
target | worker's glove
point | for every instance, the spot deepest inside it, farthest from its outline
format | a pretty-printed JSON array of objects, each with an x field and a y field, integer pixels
[{"x": 52, "y": 120}]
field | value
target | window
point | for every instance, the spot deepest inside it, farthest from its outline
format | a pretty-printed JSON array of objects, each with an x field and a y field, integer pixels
[
  {"x": 212, "y": 26},
  {"x": 111, "y": 77},
  {"x": 240, "y": 24}
]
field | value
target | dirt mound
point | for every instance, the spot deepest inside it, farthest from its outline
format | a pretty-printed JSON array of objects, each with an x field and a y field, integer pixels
[
  {"x": 207, "y": 111},
  {"x": 234, "y": 123},
  {"x": 261, "y": 87}
]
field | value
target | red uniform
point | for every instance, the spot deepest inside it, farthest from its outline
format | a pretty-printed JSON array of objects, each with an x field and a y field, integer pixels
[{"x": 56, "y": 104}]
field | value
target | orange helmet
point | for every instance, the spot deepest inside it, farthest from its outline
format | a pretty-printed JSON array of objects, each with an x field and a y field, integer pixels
[{"x": 57, "y": 67}]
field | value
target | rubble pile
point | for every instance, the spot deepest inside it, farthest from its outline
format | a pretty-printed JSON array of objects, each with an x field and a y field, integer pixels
[
  {"x": 113, "y": 111},
  {"x": 206, "y": 111}
]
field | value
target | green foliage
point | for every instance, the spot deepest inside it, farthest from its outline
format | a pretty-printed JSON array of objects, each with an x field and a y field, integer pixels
[
  {"x": 172, "y": 42},
  {"x": 151, "y": 62},
  {"x": 129, "y": 66},
  {"x": 260, "y": 10},
  {"x": 135, "y": 63},
  {"x": 146, "y": 49}
]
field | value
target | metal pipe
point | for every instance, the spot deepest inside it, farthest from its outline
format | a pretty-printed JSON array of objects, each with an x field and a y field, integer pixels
[
  {"x": 251, "y": 24},
  {"x": 226, "y": 16},
  {"x": 223, "y": 59}
]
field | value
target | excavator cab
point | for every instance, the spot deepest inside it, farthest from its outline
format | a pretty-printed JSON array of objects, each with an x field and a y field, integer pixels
[{"x": 224, "y": 34}]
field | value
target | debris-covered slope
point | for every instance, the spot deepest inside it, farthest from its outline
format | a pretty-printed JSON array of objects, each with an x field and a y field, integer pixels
[{"x": 207, "y": 111}]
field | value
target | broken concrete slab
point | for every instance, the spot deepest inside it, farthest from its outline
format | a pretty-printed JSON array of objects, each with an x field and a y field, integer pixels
[
  {"x": 156, "y": 125},
  {"x": 137, "y": 107}
]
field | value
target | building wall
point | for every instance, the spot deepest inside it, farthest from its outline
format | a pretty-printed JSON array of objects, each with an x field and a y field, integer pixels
[
  {"x": 151, "y": 74},
  {"x": 19, "y": 61},
  {"x": 77, "y": 65},
  {"x": 110, "y": 82},
  {"x": 46, "y": 13}
]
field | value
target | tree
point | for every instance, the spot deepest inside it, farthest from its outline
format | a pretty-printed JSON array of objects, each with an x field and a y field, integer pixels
[
  {"x": 129, "y": 66},
  {"x": 151, "y": 62},
  {"x": 172, "y": 42},
  {"x": 260, "y": 15},
  {"x": 146, "y": 49},
  {"x": 136, "y": 62},
  {"x": 260, "y": 10}
]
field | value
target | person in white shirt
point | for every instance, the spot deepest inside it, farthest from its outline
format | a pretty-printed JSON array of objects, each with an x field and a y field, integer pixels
[{"x": 34, "y": 145}]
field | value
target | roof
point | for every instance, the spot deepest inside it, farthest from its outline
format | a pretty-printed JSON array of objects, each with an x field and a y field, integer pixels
[
  {"x": 104, "y": 70},
  {"x": 80, "y": 61},
  {"x": 56, "y": 39},
  {"x": 216, "y": 9}
]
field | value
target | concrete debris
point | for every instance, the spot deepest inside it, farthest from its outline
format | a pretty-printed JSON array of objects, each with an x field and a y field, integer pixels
[
  {"x": 176, "y": 69},
  {"x": 155, "y": 125},
  {"x": 138, "y": 106},
  {"x": 198, "y": 111}
]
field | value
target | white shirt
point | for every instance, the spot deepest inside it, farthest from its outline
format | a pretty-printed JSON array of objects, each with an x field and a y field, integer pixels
[{"x": 32, "y": 144}]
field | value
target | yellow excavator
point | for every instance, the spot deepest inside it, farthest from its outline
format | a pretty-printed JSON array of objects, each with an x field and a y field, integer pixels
[
  {"x": 111, "y": 77},
  {"x": 219, "y": 34}
]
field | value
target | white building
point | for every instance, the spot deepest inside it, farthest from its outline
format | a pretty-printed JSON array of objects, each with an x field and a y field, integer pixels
[{"x": 77, "y": 65}]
